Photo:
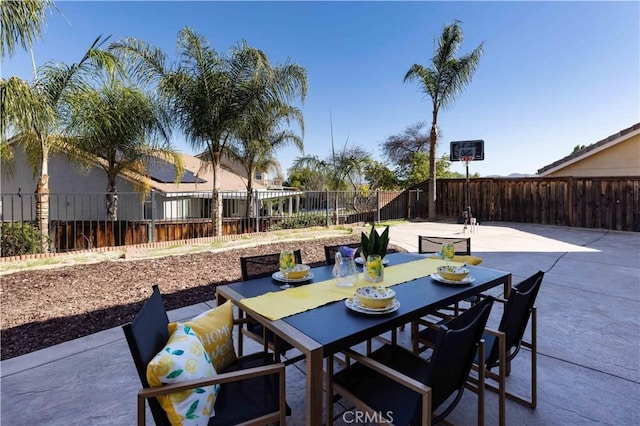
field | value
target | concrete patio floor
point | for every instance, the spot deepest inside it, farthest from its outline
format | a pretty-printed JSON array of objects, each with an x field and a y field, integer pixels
[{"x": 588, "y": 340}]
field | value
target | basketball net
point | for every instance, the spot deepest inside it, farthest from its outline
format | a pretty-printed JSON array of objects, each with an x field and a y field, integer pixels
[{"x": 467, "y": 159}]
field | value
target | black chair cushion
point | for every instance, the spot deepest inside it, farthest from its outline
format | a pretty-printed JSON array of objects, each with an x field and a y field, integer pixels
[
  {"x": 429, "y": 334},
  {"x": 244, "y": 400},
  {"x": 381, "y": 392},
  {"x": 146, "y": 336},
  {"x": 489, "y": 341},
  {"x": 516, "y": 317}
]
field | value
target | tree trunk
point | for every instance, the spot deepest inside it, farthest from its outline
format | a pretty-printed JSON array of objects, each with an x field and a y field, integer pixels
[
  {"x": 112, "y": 201},
  {"x": 42, "y": 198},
  {"x": 433, "y": 138},
  {"x": 249, "y": 210},
  {"x": 42, "y": 210},
  {"x": 216, "y": 197}
]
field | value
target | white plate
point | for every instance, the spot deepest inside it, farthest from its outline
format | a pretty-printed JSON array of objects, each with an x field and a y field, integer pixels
[
  {"x": 467, "y": 280},
  {"x": 359, "y": 261},
  {"x": 354, "y": 305},
  {"x": 279, "y": 277}
]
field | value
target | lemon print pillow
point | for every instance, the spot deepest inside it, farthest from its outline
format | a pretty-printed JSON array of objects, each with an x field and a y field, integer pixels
[
  {"x": 184, "y": 358},
  {"x": 215, "y": 329}
]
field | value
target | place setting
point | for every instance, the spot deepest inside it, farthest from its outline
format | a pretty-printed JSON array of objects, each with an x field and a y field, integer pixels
[
  {"x": 373, "y": 300},
  {"x": 290, "y": 272},
  {"x": 456, "y": 275},
  {"x": 450, "y": 274}
]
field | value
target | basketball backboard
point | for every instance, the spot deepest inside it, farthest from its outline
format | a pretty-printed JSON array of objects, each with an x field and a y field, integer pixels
[{"x": 461, "y": 149}]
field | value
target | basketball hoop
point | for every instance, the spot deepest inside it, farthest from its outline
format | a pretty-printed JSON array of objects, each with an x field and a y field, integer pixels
[{"x": 467, "y": 159}]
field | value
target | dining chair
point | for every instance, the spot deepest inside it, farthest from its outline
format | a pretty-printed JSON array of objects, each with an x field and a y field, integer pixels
[
  {"x": 330, "y": 252},
  {"x": 504, "y": 343},
  {"x": 407, "y": 389},
  {"x": 257, "y": 267},
  {"x": 256, "y": 380},
  {"x": 263, "y": 265}
]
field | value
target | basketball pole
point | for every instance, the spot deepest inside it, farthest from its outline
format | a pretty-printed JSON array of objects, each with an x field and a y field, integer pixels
[
  {"x": 467, "y": 219},
  {"x": 468, "y": 193}
]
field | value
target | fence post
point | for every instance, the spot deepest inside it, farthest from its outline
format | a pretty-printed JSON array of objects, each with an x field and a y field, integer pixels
[{"x": 152, "y": 232}]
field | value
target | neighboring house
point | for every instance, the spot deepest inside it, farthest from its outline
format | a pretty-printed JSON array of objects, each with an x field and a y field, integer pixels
[
  {"x": 270, "y": 178},
  {"x": 617, "y": 155},
  {"x": 78, "y": 194}
]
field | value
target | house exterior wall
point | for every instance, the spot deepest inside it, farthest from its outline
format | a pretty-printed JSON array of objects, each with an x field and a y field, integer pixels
[
  {"x": 75, "y": 194},
  {"x": 621, "y": 159},
  {"x": 177, "y": 208}
]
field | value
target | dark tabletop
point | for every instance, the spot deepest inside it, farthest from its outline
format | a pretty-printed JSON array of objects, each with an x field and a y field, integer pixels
[{"x": 337, "y": 327}]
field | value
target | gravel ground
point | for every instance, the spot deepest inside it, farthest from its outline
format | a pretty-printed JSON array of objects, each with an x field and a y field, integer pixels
[{"x": 44, "y": 307}]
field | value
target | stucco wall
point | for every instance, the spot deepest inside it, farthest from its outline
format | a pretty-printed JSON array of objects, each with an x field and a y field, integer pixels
[
  {"x": 622, "y": 159},
  {"x": 75, "y": 194}
]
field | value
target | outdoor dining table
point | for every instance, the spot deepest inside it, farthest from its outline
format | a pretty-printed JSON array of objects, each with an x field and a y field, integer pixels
[{"x": 325, "y": 330}]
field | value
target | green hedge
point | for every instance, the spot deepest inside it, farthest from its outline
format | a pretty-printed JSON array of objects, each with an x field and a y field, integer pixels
[
  {"x": 307, "y": 220},
  {"x": 18, "y": 238}
]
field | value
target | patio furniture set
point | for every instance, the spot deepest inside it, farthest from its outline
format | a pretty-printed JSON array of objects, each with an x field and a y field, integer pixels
[{"x": 191, "y": 371}]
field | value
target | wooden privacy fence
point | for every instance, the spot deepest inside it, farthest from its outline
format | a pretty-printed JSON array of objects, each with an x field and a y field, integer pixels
[
  {"x": 602, "y": 202},
  {"x": 89, "y": 234}
]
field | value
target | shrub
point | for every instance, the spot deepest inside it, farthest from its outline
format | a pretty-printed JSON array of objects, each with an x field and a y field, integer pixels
[
  {"x": 307, "y": 220},
  {"x": 18, "y": 238}
]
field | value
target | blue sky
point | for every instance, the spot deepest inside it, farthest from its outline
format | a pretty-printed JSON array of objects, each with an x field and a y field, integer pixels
[{"x": 553, "y": 75}]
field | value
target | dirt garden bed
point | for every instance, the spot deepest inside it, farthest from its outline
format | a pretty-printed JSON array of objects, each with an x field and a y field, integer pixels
[{"x": 44, "y": 307}]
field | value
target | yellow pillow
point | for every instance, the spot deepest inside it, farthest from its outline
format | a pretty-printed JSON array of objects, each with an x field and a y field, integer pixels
[
  {"x": 215, "y": 329},
  {"x": 182, "y": 359}
]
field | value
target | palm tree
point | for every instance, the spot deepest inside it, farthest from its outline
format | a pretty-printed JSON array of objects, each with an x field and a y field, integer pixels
[
  {"x": 258, "y": 135},
  {"x": 124, "y": 128},
  {"x": 22, "y": 23},
  {"x": 443, "y": 81},
  {"x": 208, "y": 94},
  {"x": 34, "y": 114}
]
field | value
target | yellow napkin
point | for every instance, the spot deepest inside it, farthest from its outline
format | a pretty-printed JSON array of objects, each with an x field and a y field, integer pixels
[
  {"x": 469, "y": 260},
  {"x": 279, "y": 304}
]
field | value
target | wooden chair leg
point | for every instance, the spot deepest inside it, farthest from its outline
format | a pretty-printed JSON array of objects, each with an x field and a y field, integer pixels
[
  {"x": 329, "y": 390},
  {"x": 502, "y": 373},
  {"x": 481, "y": 379},
  {"x": 534, "y": 358}
]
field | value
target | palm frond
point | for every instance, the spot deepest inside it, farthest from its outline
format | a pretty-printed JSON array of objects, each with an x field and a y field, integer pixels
[
  {"x": 22, "y": 23},
  {"x": 145, "y": 63}
]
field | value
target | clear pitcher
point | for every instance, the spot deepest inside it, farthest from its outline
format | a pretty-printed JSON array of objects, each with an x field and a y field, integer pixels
[{"x": 344, "y": 271}]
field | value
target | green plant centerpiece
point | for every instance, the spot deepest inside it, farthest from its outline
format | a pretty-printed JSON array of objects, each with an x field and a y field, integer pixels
[{"x": 374, "y": 243}]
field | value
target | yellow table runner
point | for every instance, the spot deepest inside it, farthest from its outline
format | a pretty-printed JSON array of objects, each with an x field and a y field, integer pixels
[{"x": 279, "y": 304}]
